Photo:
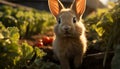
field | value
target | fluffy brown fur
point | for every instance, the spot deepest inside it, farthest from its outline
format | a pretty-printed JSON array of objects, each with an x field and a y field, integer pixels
[{"x": 70, "y": 41}]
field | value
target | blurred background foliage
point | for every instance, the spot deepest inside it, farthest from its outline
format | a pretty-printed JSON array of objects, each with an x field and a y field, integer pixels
[
  {"x": 104, "y": 24},
  {"x": 19, "y": 56},
  {"x": 105, "y": 27},
  {"x": 29, "y": 22}
]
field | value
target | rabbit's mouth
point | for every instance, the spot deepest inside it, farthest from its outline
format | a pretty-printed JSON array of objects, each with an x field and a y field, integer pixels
[{"x": 67, "y": 34}]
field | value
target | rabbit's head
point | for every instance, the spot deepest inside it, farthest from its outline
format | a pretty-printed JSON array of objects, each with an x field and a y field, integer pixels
[{"x": 68, "y": 19}]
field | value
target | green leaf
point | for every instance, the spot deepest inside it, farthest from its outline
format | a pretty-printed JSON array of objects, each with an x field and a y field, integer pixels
[
  {"x": 10, "y": 55},
  {"x": 27, "y": 51},
  {"x": 14, "y": 34},
  {"x": 40, "y": 53},
  {"x": 99, "y": 29}
]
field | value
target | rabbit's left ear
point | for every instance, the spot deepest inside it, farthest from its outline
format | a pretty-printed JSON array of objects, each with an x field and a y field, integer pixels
[{"x": 79, "y": 7}]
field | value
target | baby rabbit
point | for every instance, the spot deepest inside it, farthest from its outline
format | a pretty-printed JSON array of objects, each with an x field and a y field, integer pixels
[{"x": 70, "y": 41}]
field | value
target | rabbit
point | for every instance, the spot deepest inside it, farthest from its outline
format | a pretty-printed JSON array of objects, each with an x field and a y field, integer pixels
[{"x": 70, "y": 40}]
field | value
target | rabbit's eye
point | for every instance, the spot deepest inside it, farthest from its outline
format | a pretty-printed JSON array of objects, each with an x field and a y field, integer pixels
[
  {"x": 74, "y": 20},
  {"x": 59, "y": 20}
]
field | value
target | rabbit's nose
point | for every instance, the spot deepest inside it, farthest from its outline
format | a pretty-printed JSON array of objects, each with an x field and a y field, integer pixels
[{"x": 66, "y": 28}]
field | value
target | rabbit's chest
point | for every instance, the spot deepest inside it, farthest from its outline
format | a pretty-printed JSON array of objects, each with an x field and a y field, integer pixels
[{"x": 71, "y": 48}]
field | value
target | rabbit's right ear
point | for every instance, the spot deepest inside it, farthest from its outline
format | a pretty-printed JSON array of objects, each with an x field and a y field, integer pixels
[{"x": 55, "y": 7}]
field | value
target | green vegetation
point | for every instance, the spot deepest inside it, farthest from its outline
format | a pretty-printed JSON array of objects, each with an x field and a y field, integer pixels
[
  {"x": 17, "y": 56},
  {"x": 12, "y": 54},
  {"x": 16, "y": 23},
  {"x": 106, "y": 26},
  {"x": 29, "y": 22}
]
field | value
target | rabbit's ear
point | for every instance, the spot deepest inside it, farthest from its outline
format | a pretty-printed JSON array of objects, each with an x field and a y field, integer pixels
[
  {"x": 79, "y": 7},
  {"x": 55, "y": 6}
]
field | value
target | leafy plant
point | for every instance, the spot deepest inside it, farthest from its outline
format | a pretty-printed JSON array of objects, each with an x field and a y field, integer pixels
[
  {"x": 12, "y": 54},
  {"x": 107, "y": 28},
  {"x": 29, "y": 22},
  {"x": 9, "y": 49}
]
